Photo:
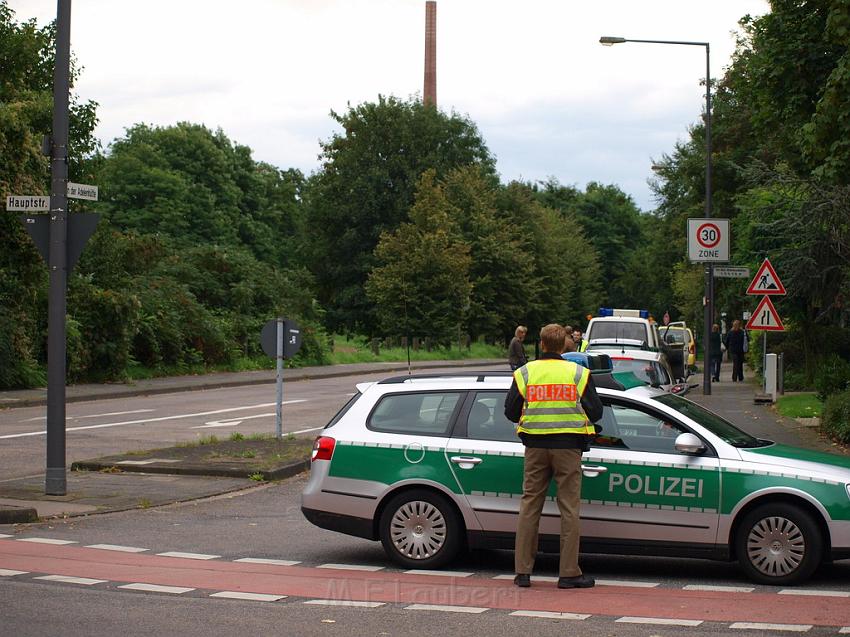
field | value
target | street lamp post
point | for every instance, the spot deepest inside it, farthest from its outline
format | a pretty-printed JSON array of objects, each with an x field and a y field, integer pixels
[{"x": 708, "y": 300}]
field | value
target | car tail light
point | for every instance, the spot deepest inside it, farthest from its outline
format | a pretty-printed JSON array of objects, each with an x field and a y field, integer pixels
[
  {"x": 678, "y": 388},
  {"x": 323, "y": 448}
]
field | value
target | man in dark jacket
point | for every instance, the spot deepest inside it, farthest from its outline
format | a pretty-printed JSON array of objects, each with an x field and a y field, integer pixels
[
  {"x": 554, "y": 402},
  {"x": 736, "y": 339}
]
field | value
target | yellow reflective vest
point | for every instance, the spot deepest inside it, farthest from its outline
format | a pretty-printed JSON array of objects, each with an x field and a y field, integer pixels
[{"x": 552, "y": 389}]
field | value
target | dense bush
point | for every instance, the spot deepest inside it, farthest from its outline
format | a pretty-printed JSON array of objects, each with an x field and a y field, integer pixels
[
  {"x": 836, "y": 417},
  {"x": 833, "y": 376}
]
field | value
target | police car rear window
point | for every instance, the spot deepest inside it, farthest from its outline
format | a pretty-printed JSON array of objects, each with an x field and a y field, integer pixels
[
  {"x": 635, "y": 331},
  {"x": 420, "y": 413}
]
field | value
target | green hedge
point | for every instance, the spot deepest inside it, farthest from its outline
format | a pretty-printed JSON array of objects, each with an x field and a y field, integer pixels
[{"x": 836, "y": 417}]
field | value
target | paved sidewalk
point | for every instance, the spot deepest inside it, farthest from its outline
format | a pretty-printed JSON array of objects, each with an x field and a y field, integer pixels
[{"x": 101, "y": 491}]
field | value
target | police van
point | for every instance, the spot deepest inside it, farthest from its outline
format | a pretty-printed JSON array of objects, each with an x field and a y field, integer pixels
[{"x": 430, "y": 466}]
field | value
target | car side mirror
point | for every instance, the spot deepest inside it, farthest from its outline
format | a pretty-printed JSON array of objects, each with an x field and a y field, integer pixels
[{"x": 689, "y": 444}]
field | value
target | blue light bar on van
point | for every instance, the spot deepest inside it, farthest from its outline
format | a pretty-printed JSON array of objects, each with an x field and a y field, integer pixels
[{"x": 613, "y": 311}]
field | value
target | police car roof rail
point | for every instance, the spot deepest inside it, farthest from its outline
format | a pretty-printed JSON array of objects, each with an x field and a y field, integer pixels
[{"x": 479, "y": 376}]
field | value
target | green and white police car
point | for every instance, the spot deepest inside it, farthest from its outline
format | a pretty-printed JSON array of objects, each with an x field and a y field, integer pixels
[{"x": 429, "y": 465}]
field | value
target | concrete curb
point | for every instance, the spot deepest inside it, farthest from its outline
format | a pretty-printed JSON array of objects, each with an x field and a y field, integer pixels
[
  {"x": 17, "y": 515},
  {"x": 278, "y": 473}
]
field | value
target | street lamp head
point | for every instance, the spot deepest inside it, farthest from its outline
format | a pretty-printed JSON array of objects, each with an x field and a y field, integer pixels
[{"x": 607, "y": 40}]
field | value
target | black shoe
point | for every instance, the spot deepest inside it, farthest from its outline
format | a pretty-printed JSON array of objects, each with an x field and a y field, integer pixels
[
  {"x": 522, "y": 580},
  {"x": 580, "y": 581}
]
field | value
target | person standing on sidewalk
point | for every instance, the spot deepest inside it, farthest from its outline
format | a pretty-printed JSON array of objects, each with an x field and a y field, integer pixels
[
  {"x": 735, "y": 340},
  {"x": 714, "y": 347},
  {"x": 554, "y": 402},
  {"x": 516, "y": 352}
]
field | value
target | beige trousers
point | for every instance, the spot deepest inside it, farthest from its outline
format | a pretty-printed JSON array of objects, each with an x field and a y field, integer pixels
[{"x": 542, "y": 466}]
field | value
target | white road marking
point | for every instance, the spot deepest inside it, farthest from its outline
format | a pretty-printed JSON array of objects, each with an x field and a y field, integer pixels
[
  {"x": 86, "y": 581},
  {"x": 232, "y": 422},
  {"x": 791, "y": 591},
  {"x": 343, "y": 602},
  {"x": 261, "y": 560},
  {"x": 660, "y": 621},
  {"x": 144, "y": 462},
  {"x": 720, "y": 589},
  {"x": 352, "y": 567},
  {"x": 153, "y": 588},
  {"x": 794, "y": 628},
  {"x": 218, "y": 423},
  {"x": 45, "y": 540},
  {"x": 534, "y": 578},
  {"x": 633, "y": 584},
  {"x": 844, "y": 631},
  {"x": 117, "y": 547},
  {"x": 548, "y": 615},
  {"x": 4, "y": 535},
  {"x": 417, "y": 571},
  {"x": 189, "y": 556},
  {"x": 144, "y": 420},
  {"x": 5, "y": 572},
  {"x": 111, "y": 413},
  {"x": 447, "y": 609},
  {"x": 304, "y": 431},
  {"x": 257, "y": 597},
  {"x": 599, "y": 582}
]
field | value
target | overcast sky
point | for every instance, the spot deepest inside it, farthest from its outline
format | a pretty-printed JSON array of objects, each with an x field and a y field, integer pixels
[{"x": 548, "y": 99}]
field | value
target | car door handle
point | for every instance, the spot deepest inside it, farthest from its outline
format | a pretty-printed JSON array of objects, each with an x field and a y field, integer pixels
[
  {"x": 471, "y": 461},
  {"x": 592, "y": 471}
]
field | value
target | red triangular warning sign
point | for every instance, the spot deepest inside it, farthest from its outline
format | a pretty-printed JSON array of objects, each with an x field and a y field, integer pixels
[
  {"x": 766, "y": 281},
  {"x": 765, "y": 317}
]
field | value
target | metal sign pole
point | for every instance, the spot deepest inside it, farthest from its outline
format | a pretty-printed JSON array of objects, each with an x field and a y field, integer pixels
[
  {"x": 278, "y": 428},
  {"x": 55, "y": 479}
]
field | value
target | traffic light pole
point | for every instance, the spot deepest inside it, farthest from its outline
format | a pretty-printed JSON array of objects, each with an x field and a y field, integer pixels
[{"x": 55, "y": 478}]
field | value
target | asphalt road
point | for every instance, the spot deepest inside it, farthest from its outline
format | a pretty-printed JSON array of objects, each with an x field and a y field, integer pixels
[{"x": 112, "y": 426}]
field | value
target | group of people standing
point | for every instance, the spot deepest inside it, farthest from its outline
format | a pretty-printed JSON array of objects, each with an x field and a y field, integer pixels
[
  {"x": 736, "y": 343},
  {"x": 516, "y": 352}
]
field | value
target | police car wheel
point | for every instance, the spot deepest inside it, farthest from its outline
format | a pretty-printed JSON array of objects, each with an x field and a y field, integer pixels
[
  {"x": 420, "y": 529},
  {"x": 778, "y": 544}
]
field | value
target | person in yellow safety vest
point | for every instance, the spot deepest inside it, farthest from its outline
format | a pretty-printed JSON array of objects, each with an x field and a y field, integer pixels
[{"x": 554, "y": 402}]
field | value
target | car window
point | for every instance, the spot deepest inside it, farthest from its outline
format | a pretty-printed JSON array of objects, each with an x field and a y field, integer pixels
[
  {"x": 626, "y": 427},
  {"x": 425, "y": 413},
  {"x": 486, "y": 419},
  {"x": 610, "y": 329},
  {"x": 720, "y": 427},
  {"x": 648, "y": 371}
]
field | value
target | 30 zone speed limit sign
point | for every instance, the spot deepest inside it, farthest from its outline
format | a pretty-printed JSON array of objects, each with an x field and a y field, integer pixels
[{"x": 708, "y": 240}]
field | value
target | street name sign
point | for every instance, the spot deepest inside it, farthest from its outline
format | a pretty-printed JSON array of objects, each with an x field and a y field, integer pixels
[
  {"x": 708, "y": 240},
  {"x": 766, "y": 281},
  {"x": 82, "y": 191},
  {"x": 730, "y": 272},
  {"x": 28, "y": 203},
  {"x": 765, "y": 317}
]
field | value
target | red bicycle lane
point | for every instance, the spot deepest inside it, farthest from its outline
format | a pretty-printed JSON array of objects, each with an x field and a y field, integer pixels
[{"x": 414, "y": 588}]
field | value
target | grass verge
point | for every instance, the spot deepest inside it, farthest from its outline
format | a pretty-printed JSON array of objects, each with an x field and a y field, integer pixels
[{"x": 804, "y": 405}]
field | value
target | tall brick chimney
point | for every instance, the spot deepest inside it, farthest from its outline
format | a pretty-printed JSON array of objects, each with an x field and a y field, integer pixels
[{"x": 429, "y": 94}]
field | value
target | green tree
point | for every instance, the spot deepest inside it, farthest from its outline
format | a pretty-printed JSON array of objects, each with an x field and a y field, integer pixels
[
  {"x": 26, "y": 60},
  {"x": 366, "y": 187},
  {"x": 420, "y": 286}
]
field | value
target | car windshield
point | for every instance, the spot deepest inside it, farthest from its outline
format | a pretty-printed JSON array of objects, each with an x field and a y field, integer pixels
[
  {"x": 720, "y": 427},
  {"x": 614, "y": 330},
  {"x": 648, "y": 371}
]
